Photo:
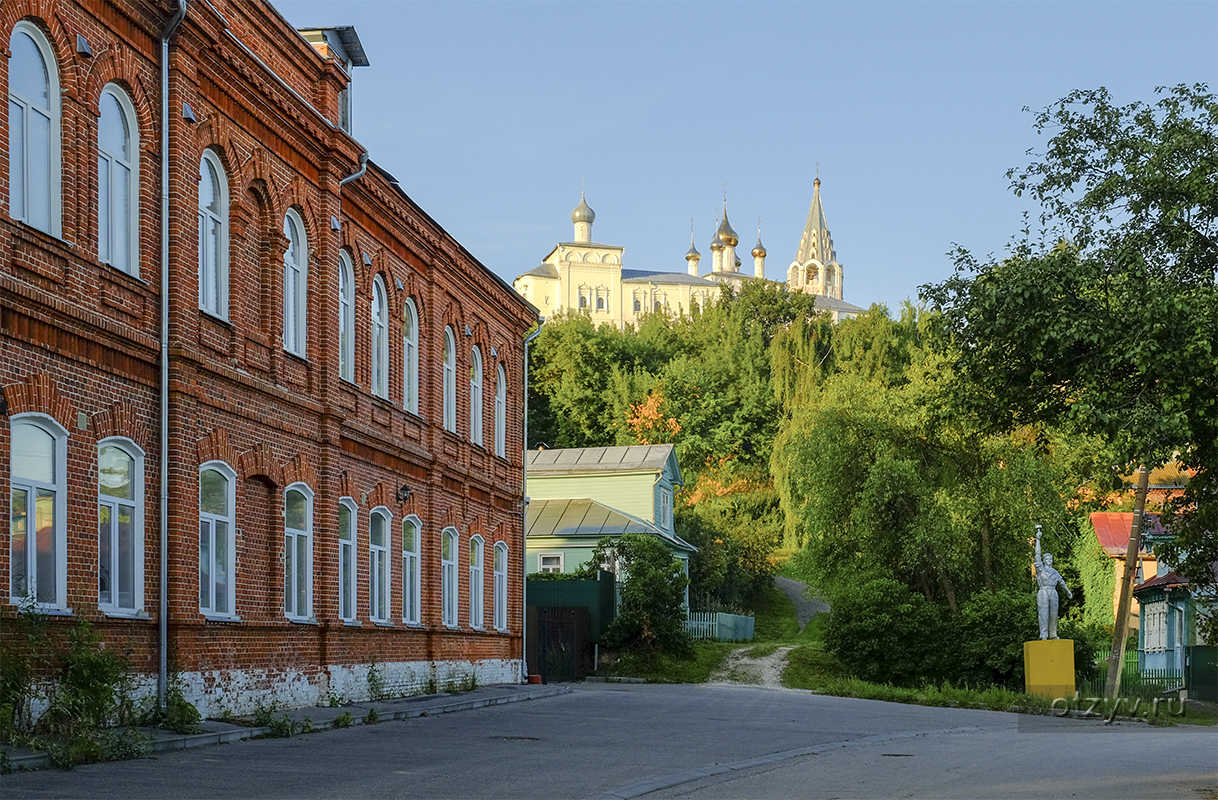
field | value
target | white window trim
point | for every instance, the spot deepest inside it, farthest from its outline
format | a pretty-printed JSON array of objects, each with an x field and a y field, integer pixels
[
  {"x": 55, "y": 131},
  {"x": 477, "y": 582},
  {"x": 500, "y": 586},
  {"x": 449, "y": 587},
  {"x": 412, "y": 594},
  {"x": 346, "y": 316},
  {"x": 378, "y": 587},
  {"x": 562, "y": 562},
  {"x": 352, "y": 573},
  {"x": 410, "y": 358},
  {"x": 231, "y": 475},
  {"x": 500, "y": 411},
  {"x": 220, "y": 259},
  {"x": 475, "y": 395},
  {"x": 133, "y": 184},
  {"x": 307, "y": 533},
  {"x": 295, "y": 328},
  {"x": 378, "y": 339},
  {"x": 665, "y": 520},
  {"x": 137, "y": 524},
  {"x": 60, "y": 436},
  {"x": 450, "y": 380}
]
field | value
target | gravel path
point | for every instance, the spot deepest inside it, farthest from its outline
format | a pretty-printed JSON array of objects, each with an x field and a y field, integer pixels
[
  {"x": 805, "y": 607},
  {"x": 741, "y": 669}
]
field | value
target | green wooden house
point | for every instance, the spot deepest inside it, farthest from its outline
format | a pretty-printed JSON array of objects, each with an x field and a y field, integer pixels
[{"x": 578, "y": 495}]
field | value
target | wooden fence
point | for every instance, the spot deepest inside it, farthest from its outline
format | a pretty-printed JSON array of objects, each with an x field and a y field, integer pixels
[{"x": 706, "y": 625}]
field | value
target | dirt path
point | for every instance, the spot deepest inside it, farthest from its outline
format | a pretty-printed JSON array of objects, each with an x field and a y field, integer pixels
[
  {"x": 805, "y": 607},
  {"x": 740, "y": 669}
]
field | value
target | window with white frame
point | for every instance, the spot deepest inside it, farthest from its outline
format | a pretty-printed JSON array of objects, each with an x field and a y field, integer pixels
[
  {"x": 665, "y": 508},
  {"x": 378, "y": 566},
  {"x": 347, "y": 569},
  {"x": 500, "y": 412},
  {"x": 500, "y": 586},
  {"x": 550, "y": 562},
  {"x": 295, "y": 285},
  {"x": 120, "y": 526},
  {"x": 475, "y": 582},
  {"x": 213, "y": 236},
  {"x": 217, "y": 553},
  {"x": 1154, "y": 621},
  {"x": 450, "y": 380},
  {"x": 379, "y": 339},
  {"x": 448, "y": 576},
  {"x": 298, "y": 552},
  {"x": 410, "y": 357},
  {"x": 346, "y": 317},
  {"x": 33, "y": 130},
  {"x": 475, "y": 396},
  {"x": 37, "y": 511},
  {"x": 117, "y": 182},
  {"x": 412, "y": 532}
]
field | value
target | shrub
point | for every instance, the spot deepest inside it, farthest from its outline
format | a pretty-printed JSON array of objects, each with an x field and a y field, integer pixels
[
  {"x": 883, "y": 632},
  {"x": 989, "y": 636}
]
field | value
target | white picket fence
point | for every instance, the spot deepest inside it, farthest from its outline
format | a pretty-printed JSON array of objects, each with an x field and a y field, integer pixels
[{"x": 704, "y": 625}]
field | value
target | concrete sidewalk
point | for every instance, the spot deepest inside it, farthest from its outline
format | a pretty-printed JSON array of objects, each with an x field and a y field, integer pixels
[{"x": 320, "y": 718}]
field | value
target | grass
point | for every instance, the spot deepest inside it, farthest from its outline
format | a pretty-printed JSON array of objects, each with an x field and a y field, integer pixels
[
  {"x": 667, "y": 668},
  {"x": 775, "y": 620}
]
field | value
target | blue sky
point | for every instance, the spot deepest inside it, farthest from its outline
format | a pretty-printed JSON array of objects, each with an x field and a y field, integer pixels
[{"x": 491, "y": 113}]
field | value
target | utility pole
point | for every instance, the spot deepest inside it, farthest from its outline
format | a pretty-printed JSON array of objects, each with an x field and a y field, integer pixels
[{"x": 1113, "y": 684}]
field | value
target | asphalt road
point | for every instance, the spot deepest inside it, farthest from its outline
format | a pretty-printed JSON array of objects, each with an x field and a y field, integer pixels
[{"x": 703, "y": 741}]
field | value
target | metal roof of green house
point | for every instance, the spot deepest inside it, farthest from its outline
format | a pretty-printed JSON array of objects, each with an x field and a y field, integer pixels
[
  {"x": 642, "y": 458},
  {"x": 583, "y": 517}
]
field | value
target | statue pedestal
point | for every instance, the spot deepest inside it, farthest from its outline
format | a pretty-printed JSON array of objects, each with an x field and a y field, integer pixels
[{"x": 1048, "y": 667}]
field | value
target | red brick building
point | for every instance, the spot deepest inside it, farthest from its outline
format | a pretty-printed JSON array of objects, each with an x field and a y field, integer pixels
[{"x": 339, "y": 381}]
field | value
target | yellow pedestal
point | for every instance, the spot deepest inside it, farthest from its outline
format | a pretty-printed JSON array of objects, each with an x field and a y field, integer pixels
[{"x": 1048, "y": 667}]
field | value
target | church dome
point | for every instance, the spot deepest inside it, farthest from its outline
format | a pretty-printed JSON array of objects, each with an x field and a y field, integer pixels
[
  {"x": 692, "y": 252},
  {"x": 716, "y": 242},
  {"x": 583, "y": 212},
  {"x": 726, "y": 233},
  {"x": 759, "y": 250}
]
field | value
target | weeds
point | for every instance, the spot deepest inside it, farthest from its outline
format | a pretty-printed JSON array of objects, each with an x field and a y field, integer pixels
[
  {"x": 372, "y": 717},
  {"x": 376, "y": 682},
  {"x": 343, "y": 720}
]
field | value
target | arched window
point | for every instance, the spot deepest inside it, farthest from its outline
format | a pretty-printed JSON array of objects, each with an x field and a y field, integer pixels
[
  {"x": 448, "y": 576},
  {"x": 118, "y": 189},
  {"x": 33, "y": 130},
  {"x": 378, "y": 565},
  {"x": 298, "y": 552},
  {"x": 379, "y": 339},
  {"x": 412, "y": 533},
  {"x": 600, "y": 301},
  {"x": 500, "y": 412},
  {"x": 213, "y": 236},
  {"x": 410, "y": 357},
  {"x": 347, "y": 569},
  {"x": 346, "y": 317},
  {"x": 475, "y": 396},
  {"x": 500, "y": 600},
  {"x": 120, "y": 526},
  {"x": 638, "y": 305},
  {"x": 475, "y": 582},
  {"x": 217, "y": 553},
  {"x": 37, "y": 512},
  {"x": 450, "y": 380},
  {"x": 295, "y": 285}
]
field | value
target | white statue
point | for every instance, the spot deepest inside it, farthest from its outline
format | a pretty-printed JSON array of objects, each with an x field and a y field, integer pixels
[{"x": 1047, "y": 579}]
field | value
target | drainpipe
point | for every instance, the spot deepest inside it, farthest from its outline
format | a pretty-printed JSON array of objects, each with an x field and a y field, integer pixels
[
  {"x": 359, "y": 173},
  {"x": 162, "y": 683},
  {"x": 524, "y": 513}
]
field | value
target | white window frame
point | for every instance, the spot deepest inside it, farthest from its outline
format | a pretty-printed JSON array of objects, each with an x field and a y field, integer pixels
[
  {"x": 126, "y": 223},
  {"x": 410, "y": 356},
  {"x": 477, "y": 601},
  {"x": 450, "y": 380},
  {"x": 448, "y": 576},
  {"x": 380, "y": 573},
  {"x": 562, "y": 562},
  {"x": 412, "y": 593},
  {"x": 348, "y": 561},
  {"x": 665, "y": 508},
  {"x": 213, "y": 266},
  {"x": 500, "y": 411},
  {"x": 295, "y": 286},
  {"x": 230, "y": 561},
  {"x": 500, "y": 585},
  {"x": 378, "y": 339},
  {"x": 19, "y": 152},
  {"x": 293, "y": 539},
  {"x": 59, "y": 534},
  {"x": 114, "y": 606},
  {"x": 475, "y": 395},
  {"x": 346, "y": 317}
]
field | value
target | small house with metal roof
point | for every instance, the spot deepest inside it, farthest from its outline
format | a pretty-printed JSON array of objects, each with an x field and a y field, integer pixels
[{"x": 579, "y": 495}]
